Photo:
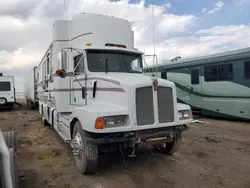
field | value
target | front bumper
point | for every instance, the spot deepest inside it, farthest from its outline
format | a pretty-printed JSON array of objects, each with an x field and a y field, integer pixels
[{"x": 148, "y": 137}]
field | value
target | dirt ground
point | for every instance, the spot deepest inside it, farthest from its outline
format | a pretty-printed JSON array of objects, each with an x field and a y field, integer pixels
[{"x": 211, "y": 155}]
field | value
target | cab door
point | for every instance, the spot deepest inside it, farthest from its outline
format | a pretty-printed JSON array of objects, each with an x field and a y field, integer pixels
[
  {"x": 195, "y": 88},
  {"x": 79, "y": 90}
]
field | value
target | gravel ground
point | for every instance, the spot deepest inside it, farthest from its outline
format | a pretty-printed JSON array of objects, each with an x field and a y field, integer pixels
[{"x": 216, "y": 154}]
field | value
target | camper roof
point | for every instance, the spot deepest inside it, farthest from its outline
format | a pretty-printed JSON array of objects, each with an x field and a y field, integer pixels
[{"x": 208, "y": 59}]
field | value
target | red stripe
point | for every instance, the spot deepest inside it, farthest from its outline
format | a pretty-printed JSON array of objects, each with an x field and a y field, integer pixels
[{"x": 79, "y": 89}]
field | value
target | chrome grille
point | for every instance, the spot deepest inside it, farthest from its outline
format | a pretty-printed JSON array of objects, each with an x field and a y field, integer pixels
[
  {"x": 165, "y": 104},
  {"x": 144, "y": 106}
]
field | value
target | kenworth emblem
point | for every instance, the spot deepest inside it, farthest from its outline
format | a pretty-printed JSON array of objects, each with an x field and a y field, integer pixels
[{"x": 155, "y": 84}]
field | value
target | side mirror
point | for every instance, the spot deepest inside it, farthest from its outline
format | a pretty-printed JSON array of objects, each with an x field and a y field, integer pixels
[
  {"x": 84, "y": 92},
  {"x": 61, "y": 73},
  {"x": 137, "y": 69},
  {"x": 64, "y": 59}
]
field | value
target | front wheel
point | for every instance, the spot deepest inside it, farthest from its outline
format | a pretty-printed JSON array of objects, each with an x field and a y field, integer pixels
[
  {"x": 171, "y": 147},
  {"x": 87, "y": 158}
]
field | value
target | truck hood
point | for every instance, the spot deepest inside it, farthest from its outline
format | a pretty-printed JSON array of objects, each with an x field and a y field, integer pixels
[
  {"x": 128, "y": 78},
  {"x": 182, "y": 106}
]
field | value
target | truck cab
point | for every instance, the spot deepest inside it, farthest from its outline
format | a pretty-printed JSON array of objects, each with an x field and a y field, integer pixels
[{"x": 96, "y": 97}]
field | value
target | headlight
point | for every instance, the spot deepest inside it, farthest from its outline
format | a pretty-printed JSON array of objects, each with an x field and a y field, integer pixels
[
  {"x": 185, "y": 114},
  {"x": 114, "y": 121}
]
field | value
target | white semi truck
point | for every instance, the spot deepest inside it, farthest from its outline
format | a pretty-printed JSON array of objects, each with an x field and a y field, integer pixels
[
  {"x": 30, "y": 89},
  {"x": 7, "y": 91},
  {"x": 91, "y": 90}
]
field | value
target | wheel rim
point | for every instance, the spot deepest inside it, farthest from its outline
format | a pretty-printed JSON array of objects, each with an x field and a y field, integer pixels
[
  {"x": 2, "y": 101},
  {"x": 79, "y": 157}
]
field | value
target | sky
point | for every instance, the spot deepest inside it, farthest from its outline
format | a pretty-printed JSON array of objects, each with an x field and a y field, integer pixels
[{"x": 185, "y": 28}]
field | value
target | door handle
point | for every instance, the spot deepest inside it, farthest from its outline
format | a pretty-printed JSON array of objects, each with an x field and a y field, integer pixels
[
  {"x": 191, "y": 90},
  {"x": 84, "y": 92}
]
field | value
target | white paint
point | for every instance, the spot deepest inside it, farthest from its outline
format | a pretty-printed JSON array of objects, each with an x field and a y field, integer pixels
[
  {"x": 29, "y": 86},
  {"x": 70, "y": 104}
]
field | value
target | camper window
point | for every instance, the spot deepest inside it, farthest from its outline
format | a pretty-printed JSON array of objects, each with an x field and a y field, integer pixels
[
  {"x": 221, "y": 72},
  {"x": 247, "y": 69},
  {"x": 4, "y": 86},
  {"x": 225, "y": 72},
  {"x": 48, "y": 64},
  {"x": 37, "y": 77},
  {"x": 164, "y": 75},
  {"x": 79, "y": 66},
  {"x": 211, "y": 73},
  {"x": 195, "y": 79}
]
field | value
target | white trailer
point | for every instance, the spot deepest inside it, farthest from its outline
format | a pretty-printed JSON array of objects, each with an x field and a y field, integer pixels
[
  {"x": 30, "y": 89},
  {"x": 7, "y": 91},
  {"x": 92, "y": 91}
]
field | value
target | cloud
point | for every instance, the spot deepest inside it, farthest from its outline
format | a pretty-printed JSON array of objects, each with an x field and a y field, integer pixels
[
  {"x": 18, "y": 8},
  {"x": 25, "y": 34},
  {"x": 204, "y": 10},
  {"x": 217, "y": 7},
  {"x": 208, "y": 41},
  {"x": 23, "y": 41},
  {"x": 241, "y": 2},
  {"x": 226, "y": 30}
]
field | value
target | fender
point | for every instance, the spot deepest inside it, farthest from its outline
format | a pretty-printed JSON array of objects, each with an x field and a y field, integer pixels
[{"x": 88, "y": 114}]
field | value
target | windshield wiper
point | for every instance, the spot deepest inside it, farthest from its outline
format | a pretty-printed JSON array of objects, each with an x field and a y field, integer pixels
[
  {"x": 106, "y": 65},
  {"x": 134, "y": 70},
  {"x": 125, "y": 62}
]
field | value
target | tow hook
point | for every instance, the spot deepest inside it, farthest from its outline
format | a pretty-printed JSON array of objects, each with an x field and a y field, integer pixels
[
  {"x": 133, "y": 150},
  {"x": 132, "y": 153}
]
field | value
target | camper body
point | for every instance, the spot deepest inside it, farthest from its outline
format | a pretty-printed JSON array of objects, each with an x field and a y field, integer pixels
[
  {"x": 30, "y": 89},
  {"x": 7, "y": 91},
  {"x": 215, "y": 85},
  {"x": 92, "y": 91}
]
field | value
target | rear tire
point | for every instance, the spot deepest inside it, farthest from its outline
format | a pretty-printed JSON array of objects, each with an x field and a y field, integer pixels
[
  {"x": 10, "y": 139},
  {"x": 32, "y": 105},
  {"x": 87, "y": 159},
  {"x": 171, "y": 147},
  {"x": 28, "y": 104}
]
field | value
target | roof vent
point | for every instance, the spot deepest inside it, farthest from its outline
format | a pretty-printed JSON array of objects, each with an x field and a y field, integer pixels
[{"x": 176, "y": 58}]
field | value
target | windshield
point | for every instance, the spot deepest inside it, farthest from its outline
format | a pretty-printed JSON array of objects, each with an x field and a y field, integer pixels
[{"x": 113, "y": 61}]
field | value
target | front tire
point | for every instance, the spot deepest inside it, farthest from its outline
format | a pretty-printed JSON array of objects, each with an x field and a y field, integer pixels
[
  {"x": 87, "y": 159},
  {"x": 171, "y": 147}
]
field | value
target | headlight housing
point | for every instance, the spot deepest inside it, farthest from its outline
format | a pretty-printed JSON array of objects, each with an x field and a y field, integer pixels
[
  {"x": 114, "y": 121},
  {"x": 185, "y": 114}
]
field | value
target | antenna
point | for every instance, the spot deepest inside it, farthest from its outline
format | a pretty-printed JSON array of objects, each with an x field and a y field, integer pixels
[
  {"x": 65, "y": 8},
  {"x": 153, "y": 27},
  {"x": 246, "y": 40},
  {"x": 153, "y": 18}
]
